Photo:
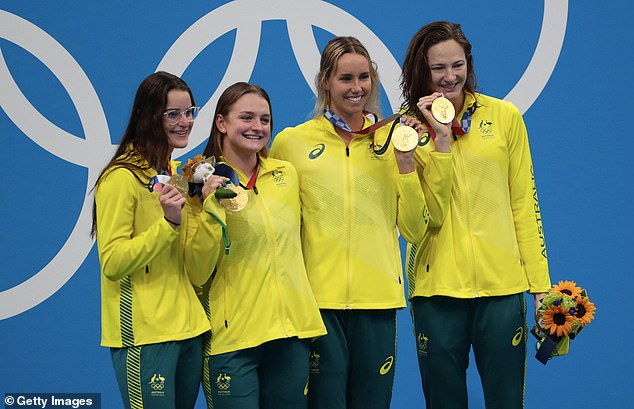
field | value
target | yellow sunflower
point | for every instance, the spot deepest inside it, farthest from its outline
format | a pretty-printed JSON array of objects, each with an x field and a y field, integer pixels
[
  {"x": 557, "y": 320},
  {"x": 567, "y": 287},
  {"x": 585, "y": 311}
]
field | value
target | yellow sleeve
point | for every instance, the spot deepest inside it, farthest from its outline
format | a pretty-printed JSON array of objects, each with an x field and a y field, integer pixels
[
  {"x": 413, "y": 215},
  {"x": 525, "y": 207},
  {"x": 436, "y": 173},
  {"x": 279, "y": 145},
  {"x": 121, "y": 249},
  {"x": 204, "y": 238}
]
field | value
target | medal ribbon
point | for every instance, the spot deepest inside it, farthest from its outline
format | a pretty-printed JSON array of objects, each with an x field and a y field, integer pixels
[
  {"x": 458, "y": 129},
  {"x": 253, "y": 178},
  {"x": 159, "y": 179},
  {"x": 340, "y": 123}
]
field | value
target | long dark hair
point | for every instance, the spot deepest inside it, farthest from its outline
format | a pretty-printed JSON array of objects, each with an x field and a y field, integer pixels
[
  {"x": 416, "y": 76},
  {"x": 145, "y": 130},
  {"x": 229, "y": 97}
]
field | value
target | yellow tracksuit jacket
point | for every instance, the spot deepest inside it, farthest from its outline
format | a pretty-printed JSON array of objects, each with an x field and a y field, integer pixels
[
  {"x": 352, "y": 202},
  {"x": 486, "y": 236},
  {"x": 147, "y": 295},
  {"x": 259, "y": 291}
]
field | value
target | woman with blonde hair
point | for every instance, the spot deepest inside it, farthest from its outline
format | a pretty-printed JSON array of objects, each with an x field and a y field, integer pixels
[{"x": 357, "y": 194}]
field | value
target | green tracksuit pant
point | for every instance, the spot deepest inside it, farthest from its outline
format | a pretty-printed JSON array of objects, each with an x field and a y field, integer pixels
[
  {"x": 446, "y": 328},
  {"x": 159, "y": 376},
  {"x": 352, "y": 367},
  {"x": 273, "y": 375}
]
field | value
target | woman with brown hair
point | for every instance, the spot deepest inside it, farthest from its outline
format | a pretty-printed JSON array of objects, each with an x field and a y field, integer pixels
[
  {"x": 151, "y": 317},
  {"x": 485, "y": 246},
  {"x": 263, "y": 313}
]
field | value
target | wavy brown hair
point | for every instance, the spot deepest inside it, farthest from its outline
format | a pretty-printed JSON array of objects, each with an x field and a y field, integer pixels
[{"x": 416, "y": 75}]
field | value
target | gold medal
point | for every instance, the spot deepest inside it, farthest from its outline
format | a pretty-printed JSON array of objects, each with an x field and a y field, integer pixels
[
  {"x": 404, "y": 138},
  {"x": 442, "y": 109},
  {"x": 180, "y": 183},
  {"x": 237, "y": 203}
]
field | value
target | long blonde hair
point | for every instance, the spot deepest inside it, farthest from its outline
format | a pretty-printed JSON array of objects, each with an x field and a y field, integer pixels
[{"x": 335, "y": 48}]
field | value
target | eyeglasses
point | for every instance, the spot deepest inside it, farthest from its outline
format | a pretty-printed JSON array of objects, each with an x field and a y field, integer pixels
[{"x": 174, "y": 115}]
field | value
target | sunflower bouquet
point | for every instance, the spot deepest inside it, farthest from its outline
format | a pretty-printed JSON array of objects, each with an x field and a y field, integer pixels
[{"x": 563, "y": 314}]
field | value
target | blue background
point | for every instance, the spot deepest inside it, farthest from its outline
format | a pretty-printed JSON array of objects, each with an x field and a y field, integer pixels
[{"x": 578, "y": 128}]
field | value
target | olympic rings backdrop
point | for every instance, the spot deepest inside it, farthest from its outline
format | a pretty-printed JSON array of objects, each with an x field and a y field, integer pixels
[{"x": 68, "y": 73}]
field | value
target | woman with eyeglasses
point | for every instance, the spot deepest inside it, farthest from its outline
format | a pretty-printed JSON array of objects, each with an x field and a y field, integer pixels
[
  {"x": 357, "y": 194},
  {"x": 151, "y": 317}
]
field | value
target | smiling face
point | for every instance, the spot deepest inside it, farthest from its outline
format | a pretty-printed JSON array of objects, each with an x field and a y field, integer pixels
[
  {"x": 178, "y": 132},
  {"x": 349, "y": 87},
  {"x": 448, "y": 67},
  {"x": 246, "y": 127}
]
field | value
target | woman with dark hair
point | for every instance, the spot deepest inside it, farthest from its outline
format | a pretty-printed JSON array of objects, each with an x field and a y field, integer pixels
[
  {"x": 485, "y": 245},
  {"x": 357, "y": 194},
  {"x": 262, "y": 310},
  {"x": 152, "y": 319}
]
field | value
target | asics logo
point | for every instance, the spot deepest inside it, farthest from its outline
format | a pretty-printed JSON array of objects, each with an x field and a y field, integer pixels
[
  {"x": 317, "y": 151},
  {"x": 385, "y": 368},
  {"x": 517, "y": 339}
]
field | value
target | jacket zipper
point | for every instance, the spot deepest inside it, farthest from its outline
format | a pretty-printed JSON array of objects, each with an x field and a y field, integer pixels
[
  {"x": 467, "y": 203},
  {"x": 347, "y": 217},
  {"x": 261, "y": 207}
]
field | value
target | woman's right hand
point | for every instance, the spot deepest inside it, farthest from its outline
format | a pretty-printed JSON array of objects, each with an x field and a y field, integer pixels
[
  {"x": 443, "y": 131},
  {"x": 212, "y": 183},
  {"x": 172, "y": 203}
]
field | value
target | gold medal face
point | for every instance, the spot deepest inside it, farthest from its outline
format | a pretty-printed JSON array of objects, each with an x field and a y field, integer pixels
[
  {"x": 442, "y": 109},
  {"x": 237, "y": 203},
  {"x": 180, "y": 183},
  {"x": 404, "y": 138}
]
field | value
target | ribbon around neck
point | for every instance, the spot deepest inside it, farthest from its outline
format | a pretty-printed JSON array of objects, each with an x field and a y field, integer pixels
[
  {"x": 340, "y": 123},
  {"x": 458, "y": 129}
]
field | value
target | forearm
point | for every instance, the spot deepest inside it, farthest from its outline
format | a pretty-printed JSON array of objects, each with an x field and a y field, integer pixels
[
  {"x": 413, "y": 215},
  {"x": 203, "y": 242},
  {"x": 121, "y": 255},
  {"x": 437, "y": 181}
]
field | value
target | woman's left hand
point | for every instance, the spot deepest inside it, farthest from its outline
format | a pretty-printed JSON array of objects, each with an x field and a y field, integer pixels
[
  {"x": 212, "y": 183},
  {"x": 538, "y": 297},
  {"x": 405, "y": 160},
  {"x": 414, "y": 123}
]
